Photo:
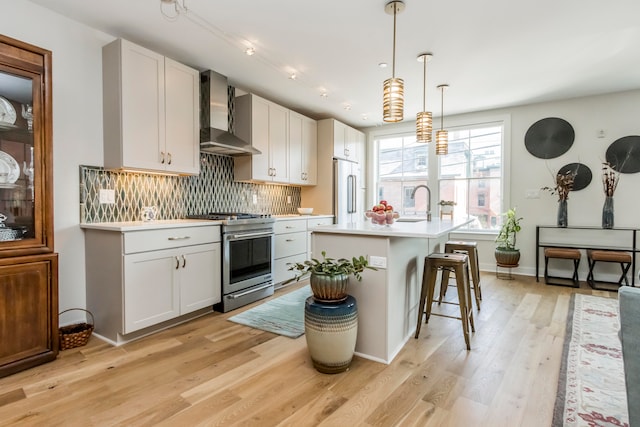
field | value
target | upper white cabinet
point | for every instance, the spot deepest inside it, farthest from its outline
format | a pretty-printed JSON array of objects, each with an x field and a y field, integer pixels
[
  {"x": 265, "y": 125},
  {"x": 150, "y": 114},
  {"x": 303, "y": 144},
  {"x": 346, "y": 140}
]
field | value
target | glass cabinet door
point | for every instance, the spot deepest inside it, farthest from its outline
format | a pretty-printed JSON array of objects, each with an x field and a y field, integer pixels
[
  {"x": 25, "y": 152},
  {"x": 17, "y": 215}
]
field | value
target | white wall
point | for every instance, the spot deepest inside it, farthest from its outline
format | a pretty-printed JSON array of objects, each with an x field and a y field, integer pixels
[
  {"x": 77, "y": 124},
  {"x": 616, "y": 114}
]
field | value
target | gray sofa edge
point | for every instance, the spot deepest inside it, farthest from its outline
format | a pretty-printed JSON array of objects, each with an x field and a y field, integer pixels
[{"x": 629, "y": 307}]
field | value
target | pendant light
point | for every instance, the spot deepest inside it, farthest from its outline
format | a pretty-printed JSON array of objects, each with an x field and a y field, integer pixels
[
  {"x": 393, "y": 88},
  {"x": 442, "y": 136},
  {"x": 424, "y": 119}
]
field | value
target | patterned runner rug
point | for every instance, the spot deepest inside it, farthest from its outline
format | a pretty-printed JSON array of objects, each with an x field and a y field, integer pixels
[{"x": 591, "y": 387}]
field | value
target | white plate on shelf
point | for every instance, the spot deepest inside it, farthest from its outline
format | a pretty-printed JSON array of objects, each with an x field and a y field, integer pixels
[{"x": 9, "y": 166}]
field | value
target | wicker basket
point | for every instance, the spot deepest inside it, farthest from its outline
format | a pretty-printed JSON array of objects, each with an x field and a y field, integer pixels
[{"x": 75, "y": 335}]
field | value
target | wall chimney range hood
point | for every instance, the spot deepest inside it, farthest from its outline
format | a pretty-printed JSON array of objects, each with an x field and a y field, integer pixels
[{"x": 214, "y": 118}]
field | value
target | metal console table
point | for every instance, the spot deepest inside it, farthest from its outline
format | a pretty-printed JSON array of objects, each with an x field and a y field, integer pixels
[{"x": 587, "y": 237}]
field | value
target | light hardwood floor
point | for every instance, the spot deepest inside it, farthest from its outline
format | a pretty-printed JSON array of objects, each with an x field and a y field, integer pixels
[{"x": 212, "y": 372}]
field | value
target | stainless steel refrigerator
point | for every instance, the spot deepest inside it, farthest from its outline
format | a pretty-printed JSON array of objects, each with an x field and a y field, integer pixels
[{"x": 348, "y": 192}]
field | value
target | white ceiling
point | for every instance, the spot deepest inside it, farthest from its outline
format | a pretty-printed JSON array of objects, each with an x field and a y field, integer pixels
[{"x": 492, "y": 53}]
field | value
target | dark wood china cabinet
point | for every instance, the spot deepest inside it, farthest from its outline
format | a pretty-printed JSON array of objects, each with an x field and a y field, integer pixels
[{"x": 28, "y": 264}]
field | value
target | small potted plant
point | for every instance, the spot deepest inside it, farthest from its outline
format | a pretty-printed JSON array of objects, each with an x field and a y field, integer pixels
[
  {"x": 330, "y": 276},
  {"x": 506, "y": 253}
]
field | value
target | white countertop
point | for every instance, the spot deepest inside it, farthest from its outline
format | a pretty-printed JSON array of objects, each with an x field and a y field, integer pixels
[
  {"x": 423, "y": 229},
  {"x": 148, "y": 225},
  {"x": 297, "y": 216}
]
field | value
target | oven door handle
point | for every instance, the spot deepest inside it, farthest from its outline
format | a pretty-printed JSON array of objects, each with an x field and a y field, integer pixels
[
  {"x": 245, "y": 235},
  {"x": 241, "y": 294}
]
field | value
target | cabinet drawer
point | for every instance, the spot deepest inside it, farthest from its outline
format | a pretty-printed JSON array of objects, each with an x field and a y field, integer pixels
[
  {"x": 281, "y": 271},
  {"x": 291, "y": 226},
  {"x": 291, "y": 244},
  {"x": 319, "y": 221},
  {"x": 168, "y": 238}
]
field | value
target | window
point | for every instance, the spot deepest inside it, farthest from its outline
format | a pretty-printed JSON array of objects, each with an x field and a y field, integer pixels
[
  {"x": 471, "y": 174},
  {"x": 402, "y": 164}
]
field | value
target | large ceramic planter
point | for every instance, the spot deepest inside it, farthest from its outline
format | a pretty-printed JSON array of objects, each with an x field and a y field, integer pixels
[
  {"x": 329, "y": 288},
  {"x": 331, "y": 330},
  {"x": 507, "y": 257}
]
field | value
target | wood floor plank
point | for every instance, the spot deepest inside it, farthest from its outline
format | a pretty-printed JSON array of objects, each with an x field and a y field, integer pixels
[{"x": 213, "y": 372}]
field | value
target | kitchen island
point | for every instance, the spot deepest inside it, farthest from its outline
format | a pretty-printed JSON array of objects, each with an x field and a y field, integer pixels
[{"x": 387, "y": 298}]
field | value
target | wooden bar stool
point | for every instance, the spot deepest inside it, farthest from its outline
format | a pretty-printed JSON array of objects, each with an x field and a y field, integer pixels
[
  {"x": 471, "y": 250},
  {"x": 562, "y": 253},
  {"x": 459, "y": 264},
  {"x": 623, "y": 258}
]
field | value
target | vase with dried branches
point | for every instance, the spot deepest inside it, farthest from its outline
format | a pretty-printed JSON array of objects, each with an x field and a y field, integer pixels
[
  {"x": 564, "y": 184},
  {"x": 610, "y": 178}
]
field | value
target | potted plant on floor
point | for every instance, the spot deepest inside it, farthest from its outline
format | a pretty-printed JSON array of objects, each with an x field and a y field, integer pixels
[
  {"x": 507, "y": 255},
  {"x": 330, "y": 315}
]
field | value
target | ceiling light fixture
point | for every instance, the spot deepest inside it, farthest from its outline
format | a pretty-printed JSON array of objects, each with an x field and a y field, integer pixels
[
  {"x": 250, "y": 51},
  {"x": 424, "y": 119},
  {"x": 293, "y": 76},
  {"x": 442, "y": 136},
  {"x": 393, "y": 88}
]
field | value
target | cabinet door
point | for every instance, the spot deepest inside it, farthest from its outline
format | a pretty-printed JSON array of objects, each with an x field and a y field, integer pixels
[
  {"x": 310, "y": 151},
  {"x": 279, "y": 142},
  {"x": 200, "y": 277},
  {"x": 143, "y": 108},
  {"x": 260, "y": 139},
  {"x": 28, "y": 312},
  {"x": 339, "y": 139},
  {"x": 182, "y": 119},
  {"x": 151, "y": 294},
  {"x": 353, "y": 139},
  {"x": 296, "y": 153}
]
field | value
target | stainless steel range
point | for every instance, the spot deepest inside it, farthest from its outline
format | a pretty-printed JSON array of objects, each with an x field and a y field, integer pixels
[{"x": 247, "y": 257}]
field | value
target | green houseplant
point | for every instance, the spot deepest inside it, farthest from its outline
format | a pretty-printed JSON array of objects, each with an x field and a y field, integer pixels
[
  {"x": 506, "y": 252},
  {"x": 329, "y": 276}
]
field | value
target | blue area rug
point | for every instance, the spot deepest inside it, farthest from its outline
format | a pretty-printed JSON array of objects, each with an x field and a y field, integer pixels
[{"x": 283, "y": 315}]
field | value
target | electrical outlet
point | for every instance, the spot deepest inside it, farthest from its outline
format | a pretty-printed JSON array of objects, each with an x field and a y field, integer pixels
[
  {"x": 378, "y": 261},
  {"x": 288, "y": 200},
  {"x": 255, "y": 199},
  {"x": 107, "y": 196},
  {"x": 533, "y": 194}
]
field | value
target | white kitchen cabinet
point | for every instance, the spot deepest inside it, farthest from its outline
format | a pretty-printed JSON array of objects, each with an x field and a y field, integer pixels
[
  {"x": 150, "y": 111},
  {"x": 138, "y": 280},
  {"x": 335, "y": 140},
  {"x": 290, "y": 247},
  {"x": 303, "y": 142},
  {"x": 315, "y": 222},
  {"x": 345, "y": 140},
  {"x": 264, "y": 125}
]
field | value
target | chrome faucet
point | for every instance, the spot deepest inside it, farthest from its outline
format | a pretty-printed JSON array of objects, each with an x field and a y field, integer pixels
[{"x": 413, "y": 195}]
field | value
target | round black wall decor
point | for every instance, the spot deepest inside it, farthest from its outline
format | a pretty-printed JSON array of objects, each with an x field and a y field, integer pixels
[
  {"x": 583, "y": 175},
  {"x": 624, "y": 154},
  {"x": 549, "y": 138}
]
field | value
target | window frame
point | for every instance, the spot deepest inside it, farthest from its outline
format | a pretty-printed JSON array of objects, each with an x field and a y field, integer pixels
[{"x": 451, "y": 123}]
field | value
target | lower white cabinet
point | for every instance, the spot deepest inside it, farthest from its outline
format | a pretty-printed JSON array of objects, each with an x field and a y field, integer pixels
[
  {"x": 293, "y": 244},
  {"x": 161, "y": 285},
  {"x": 143, "y": 278}
]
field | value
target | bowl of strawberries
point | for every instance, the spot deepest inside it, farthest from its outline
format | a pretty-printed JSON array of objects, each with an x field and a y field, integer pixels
[{"x": 382, "y": 214}]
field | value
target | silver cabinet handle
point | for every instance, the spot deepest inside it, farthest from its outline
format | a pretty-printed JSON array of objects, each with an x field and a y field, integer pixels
[
  {"x": 162, "y": 155},
  {"x": 177, "y": 263},
  {"x": 291, "y": 240},
  {"x": 184, "y": 261},
  {"x": 169, "y": 155},
  {"x": 179, "y": 238}
]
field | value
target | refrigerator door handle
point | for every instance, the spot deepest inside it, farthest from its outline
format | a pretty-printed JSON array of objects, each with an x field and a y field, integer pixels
[{"x": 351, "y": 193}]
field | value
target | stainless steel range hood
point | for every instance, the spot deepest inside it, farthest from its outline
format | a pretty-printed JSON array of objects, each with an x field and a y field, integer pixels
[{"x": 214, "y": 118}]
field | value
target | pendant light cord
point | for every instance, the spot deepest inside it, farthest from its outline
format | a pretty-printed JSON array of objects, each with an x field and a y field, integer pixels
[
  {"x": 441, "y": 107},
  {"x": 393, "y": 66},
  {"x": 424, "y": 85}
]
